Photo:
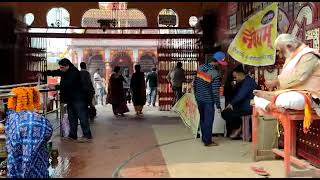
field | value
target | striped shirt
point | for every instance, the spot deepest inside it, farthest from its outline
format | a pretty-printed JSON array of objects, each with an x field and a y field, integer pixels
[{"x": 207, "y": 91}]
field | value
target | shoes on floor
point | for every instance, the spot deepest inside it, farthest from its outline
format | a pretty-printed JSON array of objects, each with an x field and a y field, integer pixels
[
  {"x": 84, "y": 140},
  {"x": 211, "y": 144},
  {"x": 69, "y": 139}
]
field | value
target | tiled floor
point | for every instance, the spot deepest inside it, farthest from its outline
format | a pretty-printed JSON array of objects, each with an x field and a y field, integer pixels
[{"x": 118, "y": 139}]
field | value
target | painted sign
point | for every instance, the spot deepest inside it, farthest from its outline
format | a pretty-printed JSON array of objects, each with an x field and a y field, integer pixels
[
  {"x": 187, "y": 108},
  {"x": 232, "y": 7},
  {"x": 168, "y": 20},
  {"x": 283, "y": 22}
]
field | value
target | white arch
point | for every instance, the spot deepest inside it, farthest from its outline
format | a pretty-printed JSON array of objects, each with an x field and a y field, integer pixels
[{"x": 129, "y": 17}]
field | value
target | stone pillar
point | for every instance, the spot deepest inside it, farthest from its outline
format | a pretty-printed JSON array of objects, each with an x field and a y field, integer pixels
[
  {"x": 135, "y": 55},
  {"x": 107, "y": 55},
  {"x": 107, "y": 61},
  {"x": 80, "y": 56}
]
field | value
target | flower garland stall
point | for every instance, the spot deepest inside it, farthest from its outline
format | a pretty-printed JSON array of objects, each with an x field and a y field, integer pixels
[{"x": 25, "y": 99}]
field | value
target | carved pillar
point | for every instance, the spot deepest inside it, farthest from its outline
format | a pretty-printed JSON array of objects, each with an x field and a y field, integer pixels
[
  {"x": 135, "y": 56},
  {"x": 107, "y": 60}
]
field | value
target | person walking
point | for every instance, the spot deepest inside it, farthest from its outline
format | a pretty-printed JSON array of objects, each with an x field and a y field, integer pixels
[
  {"x": 73, "y": 93},
  {"x": 100, "y": 86},
  {"x": 87, "y": 84},
  {"x": 152, "y": 81},
  {"x": 126, "y": 86},
  {"x": 138, "y": 89},
  {"x": 176, "y": 77},
  {"x": 116, "y": 96},
  {"x": 207, "y": 94}
]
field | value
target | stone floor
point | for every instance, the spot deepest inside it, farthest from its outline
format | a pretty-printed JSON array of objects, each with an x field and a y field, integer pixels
[{"x": 156, "y": 144}]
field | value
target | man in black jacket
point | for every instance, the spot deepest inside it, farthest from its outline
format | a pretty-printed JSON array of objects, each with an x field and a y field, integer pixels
[
  {"x": 87, "y": 84},
  {"x": 73, "y": 93},
  {"x": 152, "y": 81}
]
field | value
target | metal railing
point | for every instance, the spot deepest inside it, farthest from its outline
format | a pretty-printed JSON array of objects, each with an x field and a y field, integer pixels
[{"x": 60, "y": 108}]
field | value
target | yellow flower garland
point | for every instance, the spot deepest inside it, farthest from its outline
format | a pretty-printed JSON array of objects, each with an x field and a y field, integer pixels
[{"x": 25, "y": 99}]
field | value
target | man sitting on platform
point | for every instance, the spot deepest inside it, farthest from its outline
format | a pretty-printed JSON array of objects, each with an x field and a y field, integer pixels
[
  {"x": 240, "y": 102},
  {"x": 298, "y": 85}
]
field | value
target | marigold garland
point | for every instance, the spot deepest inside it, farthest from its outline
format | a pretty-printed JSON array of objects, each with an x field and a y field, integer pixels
[{"x": 25, "y": 99}]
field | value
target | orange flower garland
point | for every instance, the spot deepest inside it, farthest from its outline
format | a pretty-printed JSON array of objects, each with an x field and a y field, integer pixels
[{"x": 25, "y": 99}]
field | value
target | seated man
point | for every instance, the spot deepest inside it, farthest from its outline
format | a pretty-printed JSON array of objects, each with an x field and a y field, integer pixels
[
  {"x": 240, "y": 103},
  {"x": 300, "y": 75}
]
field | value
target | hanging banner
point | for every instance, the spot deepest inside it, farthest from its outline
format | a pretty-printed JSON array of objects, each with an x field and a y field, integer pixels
[
  {"x": 187, "y": 108},
  {"x": 254, "y": 43}
]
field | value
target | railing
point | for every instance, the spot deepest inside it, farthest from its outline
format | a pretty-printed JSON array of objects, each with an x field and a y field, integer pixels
[{"x": 119, "y": 32}]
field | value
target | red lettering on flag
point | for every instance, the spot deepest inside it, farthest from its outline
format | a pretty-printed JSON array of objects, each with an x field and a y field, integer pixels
[{"x": 255, "y": 37}]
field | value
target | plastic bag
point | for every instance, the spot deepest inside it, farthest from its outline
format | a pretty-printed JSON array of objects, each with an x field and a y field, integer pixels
[{"x": 65, "y": 126}]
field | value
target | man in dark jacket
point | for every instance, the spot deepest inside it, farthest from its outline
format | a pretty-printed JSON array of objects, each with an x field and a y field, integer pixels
[
  {"x": 240, "y": 103},
  {"x": 73, "y": 93},
  {"x": 152, "y": 79},
  {"x": 177, "y": 77},
  {"x": 89, "y": 89}
]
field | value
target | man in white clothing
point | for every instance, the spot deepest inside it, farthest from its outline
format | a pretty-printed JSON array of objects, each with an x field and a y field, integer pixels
[{"x": 100, "y": 86}]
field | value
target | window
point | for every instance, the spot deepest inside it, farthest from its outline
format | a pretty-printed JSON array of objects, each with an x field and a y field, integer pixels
[
  {"x": 168, "y": 18},
  {"x": 58, "y": 17},
  {"x": 28, "y": 19}
]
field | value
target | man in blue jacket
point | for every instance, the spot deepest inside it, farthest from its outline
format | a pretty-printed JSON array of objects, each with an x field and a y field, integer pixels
[
  {"x": 206, "y": 90},
  {"x": 240, "y": 103}
]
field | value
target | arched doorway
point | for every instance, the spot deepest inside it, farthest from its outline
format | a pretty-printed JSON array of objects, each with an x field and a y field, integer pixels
[
  {"x": 96, "y": 62},
  {"x": 147, "y": 62},
  {"x": 123, "y": 60}
]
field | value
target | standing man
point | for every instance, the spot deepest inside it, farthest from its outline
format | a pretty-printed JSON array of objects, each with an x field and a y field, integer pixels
[
  {"x": 73, "y": 93},
  {"x": 126, "y": 86},
  {"x": 152, "y": 81},
  {"x": 207, "y": 94},
  {"x": 100, "y": 87},
  {"x": 176, "y": 77},
  {"x": 87, "y": 84},
  {"x": 239, "y": 105}
]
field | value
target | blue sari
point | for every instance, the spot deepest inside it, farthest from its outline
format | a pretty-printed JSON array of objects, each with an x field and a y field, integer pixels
[{"x": 27, "y": 134}]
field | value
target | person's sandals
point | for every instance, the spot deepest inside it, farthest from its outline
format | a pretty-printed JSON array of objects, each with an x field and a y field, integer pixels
[{"x": 260, "y": 171}]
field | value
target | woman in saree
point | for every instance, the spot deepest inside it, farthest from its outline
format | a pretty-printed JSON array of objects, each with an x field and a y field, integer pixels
[
  {"x": 138, "y": 88},
  {"x": 116, "y": 96}
]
